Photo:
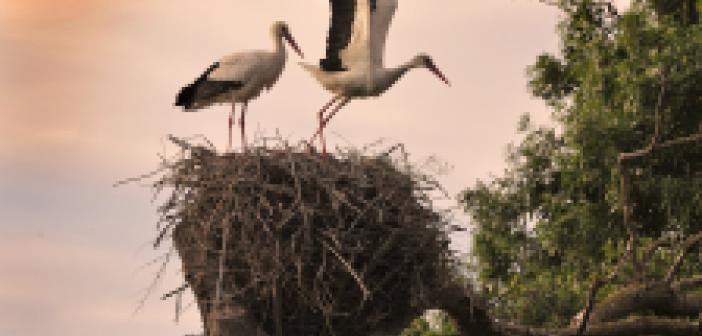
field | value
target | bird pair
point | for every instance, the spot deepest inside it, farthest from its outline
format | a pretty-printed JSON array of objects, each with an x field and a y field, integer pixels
[{"x": 353, "y": 66}]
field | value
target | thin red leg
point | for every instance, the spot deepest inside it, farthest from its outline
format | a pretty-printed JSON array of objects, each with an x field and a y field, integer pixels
[
  {"x": 320, "y": 117},
  {"x": 332, "y": 113},
  {"x": 323, "y": 123},
  {"x": 231, "y": 121},
  {"x": 242, "y": 121},
  {"x": 321, "y": 137}
]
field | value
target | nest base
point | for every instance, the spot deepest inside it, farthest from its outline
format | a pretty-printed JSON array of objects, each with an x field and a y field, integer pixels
[{"x": 277, "y": 242}]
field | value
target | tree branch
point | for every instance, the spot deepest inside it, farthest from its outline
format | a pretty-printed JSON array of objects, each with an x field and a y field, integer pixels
[
  {"x": 688, "y": 283},
  {"x": 645, "y": 325},
  {"x": 625, "y": 182},
  {"x": 615, "y": 316},
  {"x": 596, "y": 285},
  {"x": 623, "y": 157},
  {"x": 638, "y": 325},
  {"x": 689, "y": 244}
]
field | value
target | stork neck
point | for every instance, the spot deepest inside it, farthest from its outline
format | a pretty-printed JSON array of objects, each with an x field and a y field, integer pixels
[
  {"x": 394, "y": 74},
  {"x": 278, "y": 44}
]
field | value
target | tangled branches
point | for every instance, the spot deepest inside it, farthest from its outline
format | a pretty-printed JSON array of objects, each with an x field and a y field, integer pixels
[{"x": 301, "y": 244}]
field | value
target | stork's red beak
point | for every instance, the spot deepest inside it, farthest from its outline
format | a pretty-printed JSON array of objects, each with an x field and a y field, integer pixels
[
  {"x": 293, "y": 44},
  {"x": 435, "y": 70}
]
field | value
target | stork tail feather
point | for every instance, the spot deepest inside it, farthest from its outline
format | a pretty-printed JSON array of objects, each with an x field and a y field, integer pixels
[{"x": 187, "y": 95}]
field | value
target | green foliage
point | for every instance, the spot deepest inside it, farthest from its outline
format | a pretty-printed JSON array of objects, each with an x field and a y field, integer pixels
[
  {"x": 553, "y": 219},
  {"x": 421, "y": 327}
]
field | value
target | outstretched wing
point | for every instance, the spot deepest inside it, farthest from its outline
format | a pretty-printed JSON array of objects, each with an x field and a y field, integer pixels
[
  {"x": 357, "y": 33},
  {"x": 343, "y": 15},
  {"x": 382, "y": 13}
]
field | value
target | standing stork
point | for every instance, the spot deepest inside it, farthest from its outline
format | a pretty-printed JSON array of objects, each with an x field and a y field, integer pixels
[
  {"x": 238, "y": 78},
  {"x": 353, "y": 67}
]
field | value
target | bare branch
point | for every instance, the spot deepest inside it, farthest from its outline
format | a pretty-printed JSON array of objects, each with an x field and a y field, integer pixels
[
  {"x": 349, "y": 268},
  {"x": 176, "y": 291},
  {"x": 157, "y": 280}
]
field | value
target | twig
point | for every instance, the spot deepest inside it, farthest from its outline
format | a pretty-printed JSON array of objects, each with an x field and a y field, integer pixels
[
  {"x": 155, "y": 282},
  {"x": 178, "y": 290},
  {"x": 178, "y": 306},
  {"x": 182, "y": 143},
  {"x": 140, "y": 177},
  {"x": 349, "y": 268},
  {"x": 689, "y": 244}
]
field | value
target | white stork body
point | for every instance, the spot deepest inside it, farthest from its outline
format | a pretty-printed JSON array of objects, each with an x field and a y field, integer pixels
[
  {"x": 255, "y": 70},
  {"x": 355, "y": 83},
  {"x": 238, "y": 78},
  {"x": 353, "y": 67}
]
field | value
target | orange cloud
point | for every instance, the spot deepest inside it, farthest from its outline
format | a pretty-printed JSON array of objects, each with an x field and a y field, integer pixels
[{"x": 34, "y": 12}]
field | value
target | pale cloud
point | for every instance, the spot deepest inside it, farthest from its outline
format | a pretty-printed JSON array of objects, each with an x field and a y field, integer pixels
[{"x": 75, "y": 288}]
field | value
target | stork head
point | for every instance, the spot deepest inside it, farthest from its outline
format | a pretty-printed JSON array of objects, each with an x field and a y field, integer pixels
[
  {"x": 425, "y": 61},
  {"x": 280, "y": 30}
]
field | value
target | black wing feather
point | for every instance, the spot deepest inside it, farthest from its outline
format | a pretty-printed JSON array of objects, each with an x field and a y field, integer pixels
[
  {"x": 340, "y": 29},
  {"x": 202, "y": 89}
]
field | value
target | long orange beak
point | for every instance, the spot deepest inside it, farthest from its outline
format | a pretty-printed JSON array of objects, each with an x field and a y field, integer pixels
[
  {"x": 439, "y": 74},
  {"x": 293, "y": 44}
]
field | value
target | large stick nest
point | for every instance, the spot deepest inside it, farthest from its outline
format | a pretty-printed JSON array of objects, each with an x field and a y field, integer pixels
[{"x": 305, "y": 244}]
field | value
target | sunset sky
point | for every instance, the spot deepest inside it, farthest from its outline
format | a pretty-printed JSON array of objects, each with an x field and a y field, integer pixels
[{"x": 87, "y": 90}]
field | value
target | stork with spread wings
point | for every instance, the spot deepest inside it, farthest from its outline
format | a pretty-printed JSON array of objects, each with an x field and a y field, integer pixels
[{"x": 353, "y": 66}]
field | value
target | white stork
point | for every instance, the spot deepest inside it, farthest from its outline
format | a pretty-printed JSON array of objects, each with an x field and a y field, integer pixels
[
  {"x": 353, "y": 67},
  {"x": 238, "y": 78}
]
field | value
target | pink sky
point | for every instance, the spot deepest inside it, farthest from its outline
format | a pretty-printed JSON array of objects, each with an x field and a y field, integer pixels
[{"x": 87, "y": 88}]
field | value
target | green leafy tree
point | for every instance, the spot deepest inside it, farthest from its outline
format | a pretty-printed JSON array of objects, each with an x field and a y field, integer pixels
[{"x": 554, "y": 220}]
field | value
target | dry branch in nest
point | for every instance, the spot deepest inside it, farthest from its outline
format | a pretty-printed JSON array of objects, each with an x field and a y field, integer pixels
[{"x": 303, "y": 244}]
